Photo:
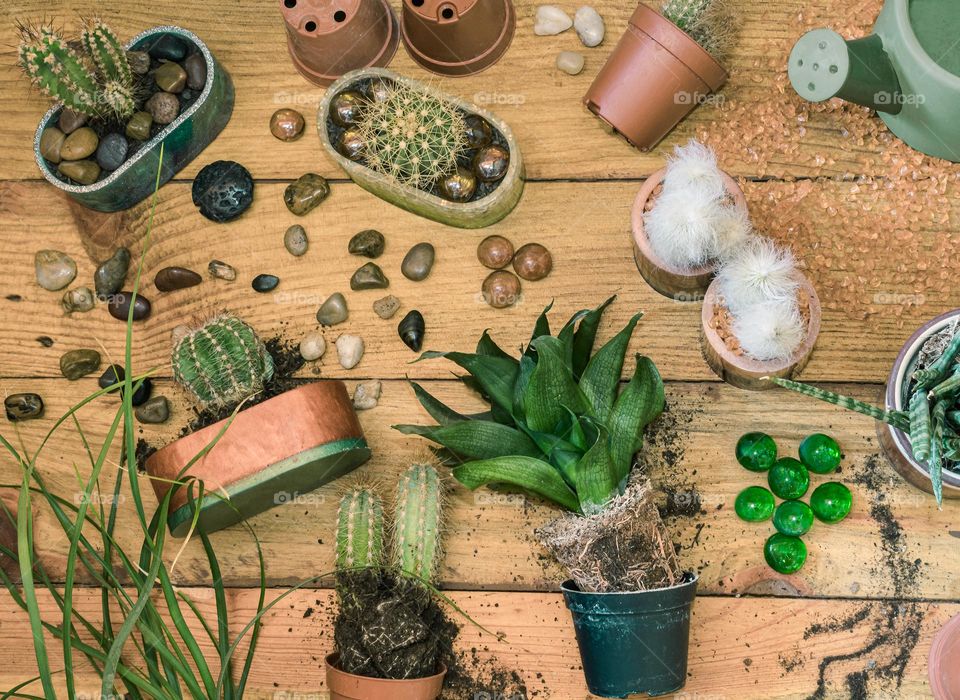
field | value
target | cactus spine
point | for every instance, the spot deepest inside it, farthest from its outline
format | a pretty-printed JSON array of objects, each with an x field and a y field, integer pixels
[
  {"x": 416, "y": 544},
  {"x": 221, "y": 362},
  {"x": 412, "y": 137},
  {"x": 711, "y": 23},
  {"x": 360, "y": 529},
  {"x": 97, "y": 82}
]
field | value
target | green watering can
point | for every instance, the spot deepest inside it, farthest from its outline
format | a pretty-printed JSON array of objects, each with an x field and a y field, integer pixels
[{"x": 908, "y": 70}]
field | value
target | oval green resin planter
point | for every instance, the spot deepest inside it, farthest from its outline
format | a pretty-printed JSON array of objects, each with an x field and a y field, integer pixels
[
  {"x": 273, "y": 453},
  {"x": 477, "y": 213},
  {"x": 183, "y": 139},
  {"x": 635, "y": 642}
]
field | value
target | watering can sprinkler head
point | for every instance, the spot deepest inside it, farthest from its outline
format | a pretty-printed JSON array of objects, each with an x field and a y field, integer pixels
[{"x": 823, "y": 65}]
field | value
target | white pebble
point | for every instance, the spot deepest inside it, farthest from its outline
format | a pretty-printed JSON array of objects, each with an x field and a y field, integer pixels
[
  {"x": 589, "y": 26},
  {"x": 349, "y": 350},
  {"x": 551, "y": 20},
  {"x": 366, "y": 395},
  {"x": 570, "y": 62},
  {"x": 313, "y": 346}
]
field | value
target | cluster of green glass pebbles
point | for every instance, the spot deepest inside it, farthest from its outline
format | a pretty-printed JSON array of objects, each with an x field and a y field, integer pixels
[{"x": 789, "y": 479}]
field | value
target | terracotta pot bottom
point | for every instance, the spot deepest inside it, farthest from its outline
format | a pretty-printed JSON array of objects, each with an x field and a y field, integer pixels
[{"x": 346, "y": 686}]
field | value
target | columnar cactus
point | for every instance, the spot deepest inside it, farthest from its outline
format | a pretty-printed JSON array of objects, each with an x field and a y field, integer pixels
[
  {"x": 412, "y": 137},
  {"x": 360, "y": 529},
  {"x": 221, "y": 362},
  {"x": 416, "y": 543},
  {"x": 96, "y": 83}
]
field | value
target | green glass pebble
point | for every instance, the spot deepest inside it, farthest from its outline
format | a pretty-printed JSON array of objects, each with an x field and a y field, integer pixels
[
  {"x": 756, "y": 451},
  {"x": 831, "y": 502},
  {"x": 788, "y": 478},
  {"x": 793, "y": 518},
  {"x": 820, "y": 453},
  {"x": 754, "y": 504},
  {"x": 784, "y": 554}
]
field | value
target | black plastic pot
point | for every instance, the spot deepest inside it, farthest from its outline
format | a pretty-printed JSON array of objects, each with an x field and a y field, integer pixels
[{"x": 633, "y": 642}]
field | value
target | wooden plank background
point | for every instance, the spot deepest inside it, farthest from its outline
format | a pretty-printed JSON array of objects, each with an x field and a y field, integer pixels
[{"x": 827, "y": 179}]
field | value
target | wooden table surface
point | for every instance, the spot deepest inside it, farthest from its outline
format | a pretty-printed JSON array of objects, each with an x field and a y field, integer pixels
[{"x": 874, "y": 224}]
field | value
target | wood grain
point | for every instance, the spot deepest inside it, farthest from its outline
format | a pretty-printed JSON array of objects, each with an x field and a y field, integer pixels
[{"x": 743, "y": 649}]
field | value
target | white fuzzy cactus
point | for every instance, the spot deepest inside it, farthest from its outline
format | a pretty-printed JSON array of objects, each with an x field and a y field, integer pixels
[
  {"x": 770, "y": 332},
  {"x": 759, "y": 272}
]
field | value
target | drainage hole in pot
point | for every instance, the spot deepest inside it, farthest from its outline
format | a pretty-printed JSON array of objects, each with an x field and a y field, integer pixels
[
  {"x": 833, "y": 69},
  {"x": 800, "y": 62},
  {"x": 339, "y": 16},
  {"x": 417, "y": 3},
  {"x": 290, "y": 4},
  {"x": 447, "y": 13},
  {"x": 811, "y": 86},
  {"x": 310, "y": 26}
]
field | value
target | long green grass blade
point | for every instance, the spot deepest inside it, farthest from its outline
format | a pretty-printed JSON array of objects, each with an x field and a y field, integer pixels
[
  {"x": 223, "y": 626},
  {"x": 530, "y": 474}
]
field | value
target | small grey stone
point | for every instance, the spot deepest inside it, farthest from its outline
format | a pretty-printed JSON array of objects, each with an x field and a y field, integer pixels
[
  {"x": 265, "y": 283},
  {"x": 312, "y": 346},
  {"x": 418, "y": 262},
  {"x": 154, "y": 410},
  {"x": 387, "y": 307},
  {"x": 367, "y": 395},
  {"x": 119, "y": 306},
  {"x": 369, "y": 276},
  {"x": 295, "y": 240},
  {"x": 25, "y": 406},
  {"x": 349, "y": 350},
  {"x": 112, "y": 151},
  {"x": 55, "y": 270},
  {"x": 570, "y": 62},
  {"x": 369, "y": 243},
  {"x": 79, "y": 363},
  {"x": 79, "y": 299},
  {"x": 222, "y": 271},
  {"x": 70, "y": 121},
  {"x": 110, "y": 276},
  {"x": 333, "y": 310},
  {"x": 589, "y": 25},
  {"x": 139, "y": 62}
]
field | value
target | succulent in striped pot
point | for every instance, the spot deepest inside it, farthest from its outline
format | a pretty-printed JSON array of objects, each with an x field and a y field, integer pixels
[{"x": 562, "y": 428}]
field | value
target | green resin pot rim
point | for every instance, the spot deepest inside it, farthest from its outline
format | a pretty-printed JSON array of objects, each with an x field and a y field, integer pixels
[
  {"x": 895, "y": 442},
  {"x": 148, "y": 146},
  {"x": 474, "y": 214}
]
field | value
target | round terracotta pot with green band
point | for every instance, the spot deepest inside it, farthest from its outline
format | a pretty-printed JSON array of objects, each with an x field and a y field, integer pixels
[{"x": 272, "y": 453}]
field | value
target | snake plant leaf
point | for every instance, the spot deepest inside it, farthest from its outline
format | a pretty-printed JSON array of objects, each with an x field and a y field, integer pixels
[
  {"x": 540, "y": 328},
  {"x": 551, "y": 388},
  {"x": 935, "y": 462},
  {"x": 602, "y": 376},
  {"x": 440, "y": 412},
  {"x": 585, "y": 337},
  {"x": 898, "y": 419},
  {"x": 487, "y": 346},
  {"x": 533, "y": 475},
  {"x": 478, "y": 439},
  {"x": 920, "y": 426},
  {"x": 640, "y": 402},
  {"x": 568, "y": 334},
  {"x": 527, "y": 365},
  {"x": 495, "y": 376},
  {"x": 597, "y": 477}
]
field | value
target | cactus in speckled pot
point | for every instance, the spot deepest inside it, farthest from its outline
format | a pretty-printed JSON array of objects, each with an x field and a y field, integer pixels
[
  {"x": 359, "y": 529},
  {"x": 418, "y": 522},
  {"x": 220, "y": 362}
]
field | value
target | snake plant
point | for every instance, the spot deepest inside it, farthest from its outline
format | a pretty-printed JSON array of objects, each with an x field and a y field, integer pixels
[{"x": 559, "y": 425}]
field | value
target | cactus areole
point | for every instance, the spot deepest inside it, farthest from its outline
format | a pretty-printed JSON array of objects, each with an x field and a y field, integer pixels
[{"x": 271, "y": 453}]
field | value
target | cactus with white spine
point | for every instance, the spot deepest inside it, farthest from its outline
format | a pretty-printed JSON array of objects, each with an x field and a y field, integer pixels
[
  {"x": 222, "y": 361},
  {"x": 711, "y": 23},
  {"x": 360, "y": 530},
  {"x": 110, "y": 58},
  {"x": 417, "y": 522}
]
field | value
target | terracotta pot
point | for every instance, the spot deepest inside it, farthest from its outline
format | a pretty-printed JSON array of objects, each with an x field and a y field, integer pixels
[
  {"x": 654, "y": 78},
  {"x": 944, "y": 661},
  {"x": 671, "y": 281},
  {"x": 346, "y": 686},
  {"x": 457, "y": 37},
  {"x": 895, "y": 443},
  {"x": 476, "y": 213},
  {"x": 742, "y": 371},
  {"x": 327, "y": 39},
  {"x": 272, "y": 453}
]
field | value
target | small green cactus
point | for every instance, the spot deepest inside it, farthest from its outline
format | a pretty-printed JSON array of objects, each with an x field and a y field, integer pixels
[
  {"x": 360, "y": 529},
  {"x": 223, "y": 361},
  {"x": 97, "y": 82},
  {"x": 417, "y": 522},
  {"x": 710, "y": 23},
  {"x": 412, "y": 137}
]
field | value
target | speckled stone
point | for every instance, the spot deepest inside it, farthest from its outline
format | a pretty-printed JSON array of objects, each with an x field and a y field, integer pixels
[
  {"x": 386, "y": 307},
  {"x": 139, "y": 62},
  {"x": 333, "y": 311},
  {"x": 80, "y": 300},
  {"x": 367, "y": 395},
  {"x": 54, "y": 270},
  {"x": 170, "y": 279},
  {"x": 75, "y": 364},
  {"x": 163, "y": 107},
  {"x": 153, "y": 411},
  {"x": 265, "y": 283},
  {"x": 223, "y": 190},
  {"x": 24, "y": 406},
  {"x": 369, "y": 243},
  {"x": 112, "y": 151},
  {"x": 418, "y": 262},
  {"x": 119, "y": 306},
  {"x": 170, "y": 77},
  {"x": 221, "y": 270},
  {"x": 369, "y": 276},
  {"x": 110, "y": 276},
  {"x": 196, "y": 67},
  {"x": 295, "y": 240},
  {"x": 304, "y": 195}
]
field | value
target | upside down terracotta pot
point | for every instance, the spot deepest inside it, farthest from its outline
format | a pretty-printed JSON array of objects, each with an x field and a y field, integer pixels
[
  {"x": 327, "y": 38},
  {"x": 669, "y": 280},
  {"x": 271, "y": 454},
  {"x": 944, "y": 661},
  {"x": 347, "y": 686},
  {"x": 457, "y": 37},
  {"x": 654, "y": 78},
  {"x": 743, "y": 371}
]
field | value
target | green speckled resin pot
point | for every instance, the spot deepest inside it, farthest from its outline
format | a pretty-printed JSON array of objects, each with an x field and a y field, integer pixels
[
  {"x": 184, "y": 138},
  {"x": 908, "y": 70},
  {"x": 477, "y": 213}
]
